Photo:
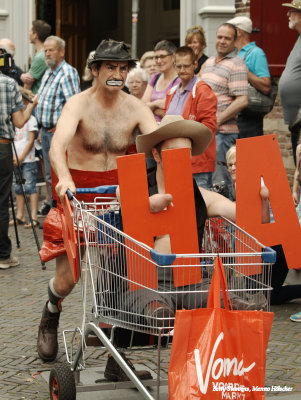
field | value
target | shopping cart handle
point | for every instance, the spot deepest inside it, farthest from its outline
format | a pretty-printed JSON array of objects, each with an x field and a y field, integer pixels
[
  {"x": 162, "y": 259},
  {"x": 69, "y": 194},
  {"x": 269, "y": 255},
  {"x": 105, "y": 189}
]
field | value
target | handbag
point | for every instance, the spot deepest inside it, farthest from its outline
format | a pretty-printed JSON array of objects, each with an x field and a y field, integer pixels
[
  {"x": 259, "y": 103},
  {"x": 219, "y": 353}
]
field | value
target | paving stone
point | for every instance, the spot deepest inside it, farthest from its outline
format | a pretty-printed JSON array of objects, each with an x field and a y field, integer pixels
[{"x": 23, "y": 294}]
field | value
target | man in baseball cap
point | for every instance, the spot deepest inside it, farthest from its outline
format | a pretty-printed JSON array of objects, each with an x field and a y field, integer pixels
[{"x": 258, "y": 74}]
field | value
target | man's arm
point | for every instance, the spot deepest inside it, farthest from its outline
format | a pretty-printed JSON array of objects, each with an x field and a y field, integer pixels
[
  {"x": 218, "y": 205},
  {"x": 234, "y": 108},
  {"x": 261, "y": 84},
  {"x": 22, "y": 116},
  {"x": 64, "y": 133}
]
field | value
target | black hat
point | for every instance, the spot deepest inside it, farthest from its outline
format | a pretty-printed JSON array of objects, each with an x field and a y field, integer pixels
[{"x": 111, "y": 50}]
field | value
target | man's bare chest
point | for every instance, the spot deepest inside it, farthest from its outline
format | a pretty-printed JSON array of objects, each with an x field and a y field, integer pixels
[{"x": 106, "y": 133}]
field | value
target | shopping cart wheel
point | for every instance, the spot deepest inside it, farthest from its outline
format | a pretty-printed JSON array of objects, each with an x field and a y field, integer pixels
[{"x": 62, "y": 383}]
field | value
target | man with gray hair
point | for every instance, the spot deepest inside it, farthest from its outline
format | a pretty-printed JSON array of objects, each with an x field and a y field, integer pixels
[{"x": 59, "y": 83}]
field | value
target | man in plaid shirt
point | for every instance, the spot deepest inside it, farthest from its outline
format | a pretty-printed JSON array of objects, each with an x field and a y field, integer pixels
[
  {"x": 12, "y": 114},
  {"x": 59, "y": 83},
  {"x": 227, "y": 75}
]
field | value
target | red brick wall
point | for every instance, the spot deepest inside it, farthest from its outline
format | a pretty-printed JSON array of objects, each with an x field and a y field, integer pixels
[{"x": 242, "y": 6}]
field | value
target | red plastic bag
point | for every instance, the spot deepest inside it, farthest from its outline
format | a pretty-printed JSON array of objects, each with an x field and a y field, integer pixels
[{"x": 219, "y": 353}]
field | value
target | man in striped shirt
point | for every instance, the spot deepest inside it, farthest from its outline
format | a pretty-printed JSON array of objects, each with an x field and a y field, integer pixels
[
  {"x": 227, "y": 75},
  {"x": 59, "y": 83}
]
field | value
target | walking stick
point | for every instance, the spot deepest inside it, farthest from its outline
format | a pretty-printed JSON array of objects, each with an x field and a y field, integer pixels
[{"x": 14, "y": 218}]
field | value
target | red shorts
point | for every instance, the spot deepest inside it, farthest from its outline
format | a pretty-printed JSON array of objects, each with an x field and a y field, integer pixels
[{"x": 53, "y": 243}]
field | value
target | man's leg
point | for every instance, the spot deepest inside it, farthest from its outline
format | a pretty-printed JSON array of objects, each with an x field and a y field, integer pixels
[
  {"x": 221, "y": 173},
  {"x": 46, "y": 138},
  {"x": 6, "y": 178},
  {"x": 59, "y": 287}
]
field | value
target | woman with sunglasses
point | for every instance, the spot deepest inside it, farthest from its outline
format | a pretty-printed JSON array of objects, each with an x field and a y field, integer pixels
[
  {"x": 160, "y": 83},
  {"x": 195, "y": 38}
]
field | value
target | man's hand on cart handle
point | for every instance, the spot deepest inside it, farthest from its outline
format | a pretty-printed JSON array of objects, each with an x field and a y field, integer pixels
[{"x": 62, "y": 187}]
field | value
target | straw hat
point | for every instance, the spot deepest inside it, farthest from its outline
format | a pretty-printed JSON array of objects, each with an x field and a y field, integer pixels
[{"x": 175, "y": 126}]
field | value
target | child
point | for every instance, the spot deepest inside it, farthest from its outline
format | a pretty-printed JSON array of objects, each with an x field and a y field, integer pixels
[{"x": 24, "y": 144}]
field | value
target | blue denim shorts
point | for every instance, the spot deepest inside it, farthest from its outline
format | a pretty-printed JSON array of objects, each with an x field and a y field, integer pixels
[{"x": 29, "y": 173}]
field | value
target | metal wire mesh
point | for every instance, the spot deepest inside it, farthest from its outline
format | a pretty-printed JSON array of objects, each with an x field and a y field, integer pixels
[{"x": 125, "y": 285}]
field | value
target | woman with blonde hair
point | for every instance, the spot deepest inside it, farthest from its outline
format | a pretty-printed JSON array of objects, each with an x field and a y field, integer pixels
[
  {"x": 195, "y": 38},
  {"x": 148, "y": 63}
]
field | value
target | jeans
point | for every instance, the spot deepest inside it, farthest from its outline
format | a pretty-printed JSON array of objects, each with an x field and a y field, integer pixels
[
  {"x": 29, "y": 174},
  {"x": 46, "y": 138},
  {"x": 221, "y": 173},
  {"x": 204, "y": 179},
  {"x": 6, "y": 178}
]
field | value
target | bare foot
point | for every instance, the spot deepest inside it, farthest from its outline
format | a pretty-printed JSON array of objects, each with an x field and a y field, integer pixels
[{"x": 159, "y": 201}]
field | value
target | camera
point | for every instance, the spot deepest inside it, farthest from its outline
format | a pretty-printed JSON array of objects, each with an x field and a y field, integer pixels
[
  {"x": 221, "y": 188},
  {"x": 6, "y": 62}
]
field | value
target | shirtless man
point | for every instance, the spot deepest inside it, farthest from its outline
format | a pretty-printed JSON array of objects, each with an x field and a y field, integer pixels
[{"x": 94, "y": 128}]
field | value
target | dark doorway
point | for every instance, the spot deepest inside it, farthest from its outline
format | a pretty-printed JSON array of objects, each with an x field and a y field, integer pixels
[{"x": 272, "y": 33}]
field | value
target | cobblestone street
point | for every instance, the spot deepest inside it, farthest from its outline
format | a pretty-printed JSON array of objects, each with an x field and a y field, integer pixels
[{"x": 23, "y": 293}]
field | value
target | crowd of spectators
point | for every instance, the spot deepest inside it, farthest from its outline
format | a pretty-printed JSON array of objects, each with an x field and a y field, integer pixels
[{"x": 168, "y": 81}]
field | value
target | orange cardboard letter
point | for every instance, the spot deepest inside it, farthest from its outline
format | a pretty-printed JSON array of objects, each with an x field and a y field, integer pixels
[
  {"x": 179, "y": 220},
  {"x": 260, "y": 157}
]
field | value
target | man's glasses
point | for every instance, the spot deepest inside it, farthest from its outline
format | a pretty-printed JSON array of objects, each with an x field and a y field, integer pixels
[
  {"x": 162, "y": 56},
  {"x": 178, "y": 67}
]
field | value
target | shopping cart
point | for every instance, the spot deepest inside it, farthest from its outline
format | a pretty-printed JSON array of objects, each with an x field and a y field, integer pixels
[{"x": 121, "y": 278}]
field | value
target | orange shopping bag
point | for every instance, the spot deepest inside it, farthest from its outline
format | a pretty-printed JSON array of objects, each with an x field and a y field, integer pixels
[{"x": 219, "y": 353}]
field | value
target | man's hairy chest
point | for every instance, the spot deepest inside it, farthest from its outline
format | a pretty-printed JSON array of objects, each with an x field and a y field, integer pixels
[{"x": 103, "y": 135}]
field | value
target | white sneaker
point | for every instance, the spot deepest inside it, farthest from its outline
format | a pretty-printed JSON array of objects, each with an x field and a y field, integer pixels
[
  {"x": 296, "y": 317},
  {"x": 9, "y": 262}
]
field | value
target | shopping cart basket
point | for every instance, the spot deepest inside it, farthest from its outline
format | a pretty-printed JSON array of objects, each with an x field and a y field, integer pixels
[{"x": 121, "y": 278}]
